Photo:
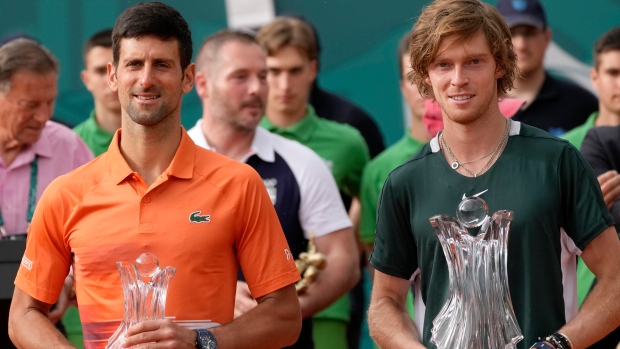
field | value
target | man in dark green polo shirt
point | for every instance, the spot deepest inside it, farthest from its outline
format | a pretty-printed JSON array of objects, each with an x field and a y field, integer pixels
[
  {"x": 291, "y": 63},
  {"x": 105, "y": 119}
]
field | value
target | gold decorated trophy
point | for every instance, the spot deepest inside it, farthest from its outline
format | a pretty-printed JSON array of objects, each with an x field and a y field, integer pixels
[{"x": 309, "y": 264}]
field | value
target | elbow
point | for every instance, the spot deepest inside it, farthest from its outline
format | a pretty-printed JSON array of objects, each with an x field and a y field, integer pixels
[
  {"x": 356, "y": 275},
  {"x": 293, "y": 324}
]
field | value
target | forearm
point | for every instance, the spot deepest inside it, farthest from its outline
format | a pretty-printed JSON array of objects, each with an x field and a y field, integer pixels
[
  {"x": 274, "y": 323},
  {"x": 33, "y": 329},
  {"x": 339, "y": 276},
  {"x": 599, "y": 315},
  {"x": 391, "y": 326}
]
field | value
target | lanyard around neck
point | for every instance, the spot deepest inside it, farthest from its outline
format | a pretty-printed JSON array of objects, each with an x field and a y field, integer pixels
[{"x": 32, "y": 193}]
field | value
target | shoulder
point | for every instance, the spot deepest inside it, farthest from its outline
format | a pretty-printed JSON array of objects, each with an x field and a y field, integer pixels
[
  {"x": 346, "y": 134},
  {"x": 60, "y": 137},
  {"x": 566, "y": 86},
  {"x": 223, "y": 172},
  {"x": 302, "y": 160}
]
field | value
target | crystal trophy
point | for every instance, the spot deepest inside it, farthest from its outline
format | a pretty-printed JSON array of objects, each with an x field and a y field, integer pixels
[
  {"x": 478, "y": 312},
  {"x": 145, "y": 286}
]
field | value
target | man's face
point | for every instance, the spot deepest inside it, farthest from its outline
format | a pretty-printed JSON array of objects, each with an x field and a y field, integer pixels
[
  {"x": 149, "y": 79},
  {"x": 464, "y": 76},
  {"x": 606, "y": 80},
  {"x": 95, "y": 78},
  {"x": 530, "y": 44},
  {"x": 27, "y": 106},
  {"x": 290, "y": 76},
  {"x": 235, "y": 88},
  {"x": 410, "y": 91}
]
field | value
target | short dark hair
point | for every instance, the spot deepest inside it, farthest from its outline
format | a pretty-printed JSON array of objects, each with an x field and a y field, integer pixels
[
  {"x": 210, "y": 48},
  {"x": 101, "y": 38},
  {"x": 157, "y": 19},
  {"x": 403, "y": 49},
  {"x": 610, "y": 41},
  {"x": 21, "y": 55}
]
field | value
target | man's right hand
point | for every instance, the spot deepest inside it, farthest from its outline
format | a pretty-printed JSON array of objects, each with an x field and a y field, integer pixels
[
  {"x": 610, "y": 186},
  {"x": 244, "y": 301}
]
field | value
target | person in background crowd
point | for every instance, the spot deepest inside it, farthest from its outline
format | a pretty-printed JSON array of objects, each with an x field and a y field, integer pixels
[
  {"x": 551, "y": 104},
  {"x": 291, "y": 70},
  {"x": 231, "y": 82},
  {"x": 155, "y": 191},
  {"x": 97, "y": 131},
  {"x": 461, "y": 55},
  {"x": 33, "y": 149}
]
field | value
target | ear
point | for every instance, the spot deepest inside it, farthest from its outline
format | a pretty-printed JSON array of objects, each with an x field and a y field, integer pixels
[
  {"x": 201, "y": 85},
  {"x": 547, "y": 36},
  {"x": 112, "y": 77},
  {"x": 189, "y": 77},
  {"x": 500, "y": 73},
  {"x": 594, "y": 77},
  {"x": 313, "y": 69},
  {"x": 84, "y": 77}
]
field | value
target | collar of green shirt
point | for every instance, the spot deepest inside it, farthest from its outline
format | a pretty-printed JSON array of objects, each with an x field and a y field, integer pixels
[{"x": 301, "y": 131}]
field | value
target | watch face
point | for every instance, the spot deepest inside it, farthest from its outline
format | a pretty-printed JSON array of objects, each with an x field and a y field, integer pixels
[{"x": 206, "y": 340}]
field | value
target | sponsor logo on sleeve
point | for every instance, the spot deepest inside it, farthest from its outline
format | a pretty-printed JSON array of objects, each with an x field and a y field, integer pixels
[{"x": 27, "y": 263}]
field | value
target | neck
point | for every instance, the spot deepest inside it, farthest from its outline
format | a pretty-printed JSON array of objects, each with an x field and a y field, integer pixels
[
  {"x": 281, "y": 118},
  {"x": 526, "y": 87},
  {"x": 417, "y": 130},
  {"x": 606, "y": 117},
  {"x": 108, "y": 120},
  {"x": 228, "y": 141},
  {"x": 475, "y": 140},
  {"x": 149, "y": 150},
  {"x": 9, "y": 151}
]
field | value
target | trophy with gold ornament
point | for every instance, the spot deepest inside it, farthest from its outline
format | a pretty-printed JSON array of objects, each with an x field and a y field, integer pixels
[{"x": 309, "y": 264}]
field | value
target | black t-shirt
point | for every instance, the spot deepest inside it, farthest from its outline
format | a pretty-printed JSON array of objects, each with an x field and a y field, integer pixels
[{"x": 559, "y": 106}]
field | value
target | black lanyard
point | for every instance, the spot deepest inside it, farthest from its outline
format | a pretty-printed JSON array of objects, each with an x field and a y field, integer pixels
[{"x": 32, "y": 194}]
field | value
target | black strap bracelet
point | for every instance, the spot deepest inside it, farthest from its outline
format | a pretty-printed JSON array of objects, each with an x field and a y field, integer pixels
[{"x": 564, "y": 339}]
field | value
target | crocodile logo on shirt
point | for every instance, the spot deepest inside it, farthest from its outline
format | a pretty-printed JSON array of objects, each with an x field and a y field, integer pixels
[{"x": 195, "y": 217}]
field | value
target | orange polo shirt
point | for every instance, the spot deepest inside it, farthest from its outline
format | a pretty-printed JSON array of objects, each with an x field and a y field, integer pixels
[{"x": 103, "y": 212}]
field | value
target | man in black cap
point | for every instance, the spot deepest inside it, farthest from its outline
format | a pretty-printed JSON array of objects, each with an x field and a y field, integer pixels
[{"x": 551, "y": 104}]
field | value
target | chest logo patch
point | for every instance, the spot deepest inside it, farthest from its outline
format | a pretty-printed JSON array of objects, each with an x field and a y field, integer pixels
[
  {"x": 272, "y": 188},
  {"x": 195, "y": 217}
]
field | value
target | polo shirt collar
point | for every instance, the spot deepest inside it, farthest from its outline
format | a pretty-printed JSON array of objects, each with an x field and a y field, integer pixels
[
  {"x": 301, "y": 131},
  {"x": 261, "y": 143},
  {"x": 182, "y": 165}
]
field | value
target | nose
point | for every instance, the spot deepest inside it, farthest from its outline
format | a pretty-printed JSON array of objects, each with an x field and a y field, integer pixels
[
  {"x": 459, "y": 77},
  {"x": 518, "y": 42},
  {"x": 44, "y": 112},
  {"x": 255, "y": 85},
  {"x": 146, "y": 77},
  {"x": 284, "y": 81}
]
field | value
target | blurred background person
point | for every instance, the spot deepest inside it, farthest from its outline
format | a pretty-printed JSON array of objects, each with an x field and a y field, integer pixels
[
  {"x": 33, "y": 149},
  {"x": 97, "y": 131}
]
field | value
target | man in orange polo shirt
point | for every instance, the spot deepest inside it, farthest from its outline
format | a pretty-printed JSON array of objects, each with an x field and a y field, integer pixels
[{"x": 155, "y": 191}]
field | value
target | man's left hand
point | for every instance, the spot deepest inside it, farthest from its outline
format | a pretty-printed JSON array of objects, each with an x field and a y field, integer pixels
[{"x": 162, "y": 333}]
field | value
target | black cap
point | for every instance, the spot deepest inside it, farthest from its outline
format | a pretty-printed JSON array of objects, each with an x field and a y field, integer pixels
[{"x": 522, "y": 12}]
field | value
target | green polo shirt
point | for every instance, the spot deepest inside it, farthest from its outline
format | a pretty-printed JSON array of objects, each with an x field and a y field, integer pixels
[
  {"x": 96, "y": 138},
  {"x": 576, "y": 135},
  {"x": 341, "y": 146},
  {"x": 375, "y": 174},
  {"x": 344, "y": 151},
  {"x": 585, "y": 277}
]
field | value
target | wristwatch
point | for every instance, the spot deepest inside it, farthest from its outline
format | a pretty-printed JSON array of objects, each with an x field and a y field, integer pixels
[{"x": 205, "y": 340}]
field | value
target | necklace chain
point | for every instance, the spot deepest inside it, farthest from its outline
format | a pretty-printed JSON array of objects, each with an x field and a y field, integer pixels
[{"x": 456, "y": 163}]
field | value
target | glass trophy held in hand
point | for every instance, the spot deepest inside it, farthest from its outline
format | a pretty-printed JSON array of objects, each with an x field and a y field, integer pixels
[
  {"x": 145, "y": 286},
  {"x": 478, "y": 312}
]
